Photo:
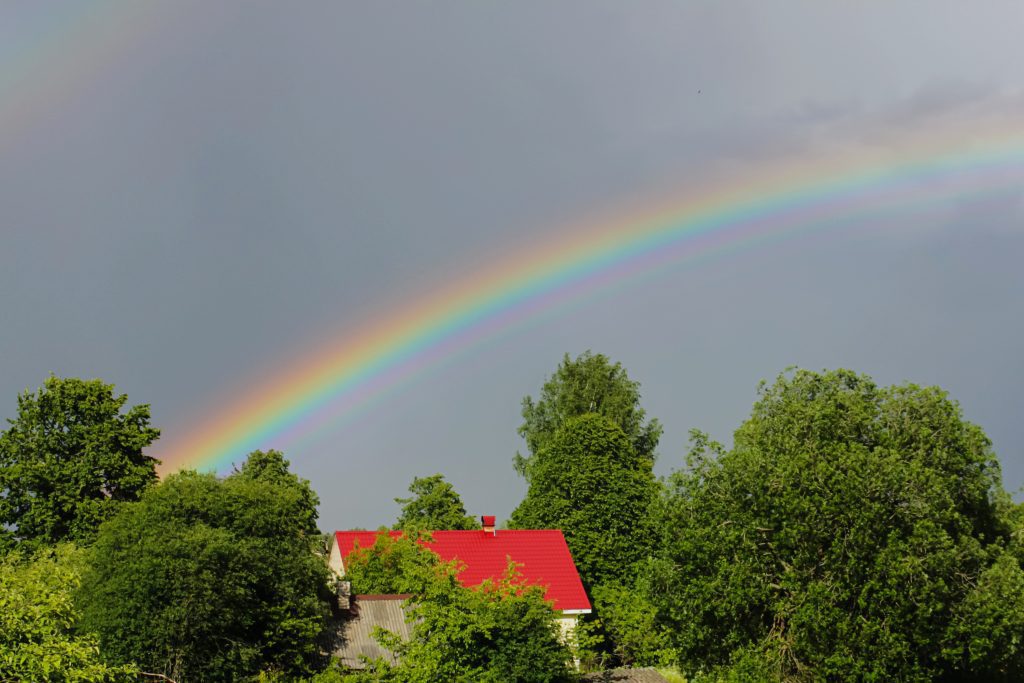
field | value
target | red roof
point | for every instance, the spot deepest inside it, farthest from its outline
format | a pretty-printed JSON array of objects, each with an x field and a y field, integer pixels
[{"x": 542, "y": 555}]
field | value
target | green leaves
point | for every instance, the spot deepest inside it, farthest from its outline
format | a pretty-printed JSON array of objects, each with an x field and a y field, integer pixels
[
  {"x": 496, "y": 632},
  {"x": 630, "y": 621},
  {"x": 394, "y": 566},
  {"x": 849, "y": 532},
  {"x": 590, "y": 474},
  {"x": 589, "y": 483},
  {"x": 213, "y": 580},
  {"x": 986, "y": 635},
  {"x": 69, "y": 460},
  {"x": 853, "y": 532},
  {"x": 434, "y": 506},
  {"x": 589, "y": 384},
  {"x": 38, "y": 641}
]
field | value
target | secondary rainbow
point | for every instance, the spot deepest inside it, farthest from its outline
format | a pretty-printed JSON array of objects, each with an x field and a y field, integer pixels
[
  {"x": 317, "y": 390},
  {"x": 45, "y": 74}
]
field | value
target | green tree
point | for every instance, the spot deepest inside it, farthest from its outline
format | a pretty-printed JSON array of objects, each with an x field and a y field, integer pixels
[
  {"x": 589, "y": 384},
  {"x": 435, "y": 505},
  {"x": 272, "y": 467},
  {"x": 392, "y": 565},
  {"x": 853, "y": 533},
  {"x": 496, "y": 632},
  {"x": 630, "y": 622},
  {"x": 209, "y": 579},
  {"x": 38, "y": 641},
  {"x": 69, "y": 460},
  {"x": 588, "y": 482},
  {"x": 986, "y": 637}
]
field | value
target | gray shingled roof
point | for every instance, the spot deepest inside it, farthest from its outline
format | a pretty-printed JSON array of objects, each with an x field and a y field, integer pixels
[
  {"x": 625, "y": 676},
  {"x": 356, "y": 637}
]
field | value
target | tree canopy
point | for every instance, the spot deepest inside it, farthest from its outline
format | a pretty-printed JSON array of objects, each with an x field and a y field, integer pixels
[
  {"x": 587, "y": 482},
  {"x": 392, "y": 565},
  {"x": 435, "y": 505},
  {"x": 271, "y": 467},
  {"x": 38, "y": 641},
  {"x": 852, "y": 533},
  {"x": 590, "y": 383},
  {"x": 493, "y": 633},
  {"x": 69, "y": 460},
  {"x": 209, "y": 579},
  {"x": 496, "y": 632}
]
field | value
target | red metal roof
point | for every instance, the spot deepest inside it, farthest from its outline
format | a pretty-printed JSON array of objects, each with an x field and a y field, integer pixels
[{"x": 542, "y": 555}]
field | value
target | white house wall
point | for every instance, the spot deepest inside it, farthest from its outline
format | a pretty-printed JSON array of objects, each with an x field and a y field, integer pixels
[{"x": 334, "y": 560}]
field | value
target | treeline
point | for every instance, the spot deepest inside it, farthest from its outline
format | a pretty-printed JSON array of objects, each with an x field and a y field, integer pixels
[{"x": 851, "y": 532}]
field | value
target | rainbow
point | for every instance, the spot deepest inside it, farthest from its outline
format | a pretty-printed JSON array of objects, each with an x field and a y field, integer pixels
[
  {"x": 321, "y": 389},
  {"x": 318, "y": 391},
  {"x": 44, "y": 73}
]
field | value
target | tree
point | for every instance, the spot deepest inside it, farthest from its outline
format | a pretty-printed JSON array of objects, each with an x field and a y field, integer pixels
[
  {"x": 69, "y": 460},
  {"x": 38, "y": 641},
  {"x": 588, "y": 482},
  {"x": 589, "y": 384},
  {"x": 212, "y": 579},
  {"x": 852, "y": 533},
  {"x": 496, "y": 632},
  {"x": 272, "y": 467},
  {"x": 392, "y": 565},
  {"x": 984, "y": 639},
  {"x": 434, "y": 505},
  {"x": 630, "y": 622}
]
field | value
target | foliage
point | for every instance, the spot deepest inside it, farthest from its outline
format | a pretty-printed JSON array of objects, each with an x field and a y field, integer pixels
[
  {"x": 672, "y": 675},
  {"x": 589, "y": 384},
  {"x": 987, "y": 636},
  {"x": 590, "y": 474},
  {"x": 852, "y": 533},
  {"x": 499, "y": 631},
  {"x": 589, "y": 644},
  {"x": 272, "y": 467},
  {"x": 211, "y": 579},
  {"x": 434, "y": 506},
  {"x": 587, "y": 482},
  {"x": 68, "y": 460},
  {"x": 392, "y": 565},
  {"x": 334, "y": 673},
  {"x": 630, "y": 622},
  {"x": 496, "y": 632},
  {"x": 38, "y": 641}
]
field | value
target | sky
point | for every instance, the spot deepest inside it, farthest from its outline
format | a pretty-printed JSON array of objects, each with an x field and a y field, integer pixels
[{"x": 198, "y": 195}]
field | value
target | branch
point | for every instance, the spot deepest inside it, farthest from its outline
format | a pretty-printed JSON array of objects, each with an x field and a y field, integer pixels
[{"x": 160, "y": 676}]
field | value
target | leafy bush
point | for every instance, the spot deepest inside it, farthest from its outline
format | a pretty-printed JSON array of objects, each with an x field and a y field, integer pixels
[
  {"x": 852, "y": 533},
  {"x": 212, "y": 579},
  {"x": 496, "y": 632},
  {"x": 38, "y": 638}
]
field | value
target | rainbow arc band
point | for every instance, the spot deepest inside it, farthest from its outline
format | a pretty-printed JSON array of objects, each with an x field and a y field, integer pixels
[{"x": 318, "y": 392}]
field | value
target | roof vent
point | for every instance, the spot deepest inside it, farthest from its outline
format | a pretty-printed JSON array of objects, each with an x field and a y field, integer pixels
[{"x": 487, "y": 521}]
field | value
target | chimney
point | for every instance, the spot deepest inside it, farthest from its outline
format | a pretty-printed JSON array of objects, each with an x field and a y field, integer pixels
[
  {"x": 488, "y": 523},
  {"x": 344, "y": 592}
]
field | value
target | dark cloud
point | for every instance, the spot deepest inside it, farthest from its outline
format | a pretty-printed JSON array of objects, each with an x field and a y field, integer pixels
[{"x": 254, "y": 179}]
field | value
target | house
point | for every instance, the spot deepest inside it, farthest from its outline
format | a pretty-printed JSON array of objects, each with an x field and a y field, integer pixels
[{"x": 542, "y": 556}]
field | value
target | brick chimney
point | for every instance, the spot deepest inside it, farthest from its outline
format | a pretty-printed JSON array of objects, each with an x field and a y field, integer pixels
[{"x": 487, "y": 521}]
